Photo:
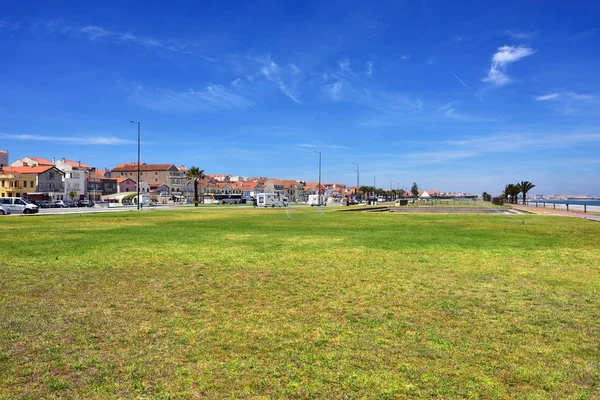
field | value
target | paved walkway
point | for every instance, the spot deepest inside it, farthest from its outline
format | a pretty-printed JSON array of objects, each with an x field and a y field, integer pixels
[{"x": 550, "y": 211}]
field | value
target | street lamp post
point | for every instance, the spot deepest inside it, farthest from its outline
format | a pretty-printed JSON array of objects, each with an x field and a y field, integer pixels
[
  {"x": 138, "y": 166},
  {"x": 375, "y": 186},
  {"x": 319, "y": 176},
  {"x": 357, "y": 178}
]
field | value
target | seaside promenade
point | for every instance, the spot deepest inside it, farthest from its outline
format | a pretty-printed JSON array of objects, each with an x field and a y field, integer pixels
[{"x": 549, "y": 211}]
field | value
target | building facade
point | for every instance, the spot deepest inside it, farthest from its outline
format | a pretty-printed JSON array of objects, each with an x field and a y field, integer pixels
[
  {"x": 3, "y": 158},
  {"x": 74, "y": 177},
  {"x": 156, "y": 174},
  {"x": 46, "y": 181}
]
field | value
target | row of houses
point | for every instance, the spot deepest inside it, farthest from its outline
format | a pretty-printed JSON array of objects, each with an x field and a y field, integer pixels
[{"x": 37, "y": 177}]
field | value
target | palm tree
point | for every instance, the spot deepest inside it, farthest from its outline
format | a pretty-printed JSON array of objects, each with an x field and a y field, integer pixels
[
  {"x": 511, "y": 191},
  {"x": 195, "y": 174},
  {"x": 366, "y": 190},
  {"x": 525, "y": 187}
]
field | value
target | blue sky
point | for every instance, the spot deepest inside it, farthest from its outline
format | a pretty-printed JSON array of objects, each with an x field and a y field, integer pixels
[{"x": 457, "y": 96}]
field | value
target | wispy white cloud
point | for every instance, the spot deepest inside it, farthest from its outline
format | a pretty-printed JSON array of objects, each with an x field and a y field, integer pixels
[
  {"x": 521, "y": 35},
  {"x": 211, "y": 98},
  {"x": 8, "y": 25},
  {"x": 550, "y": 96},
  {"x": 580, "y": 96},
  {"x": 521, "y": 142},
  {"x": 285, "y": 78},
  {"x": 571, "y": 103},
  {"x": 505, "y": 56},
  {"x": 334, "y": 90},
  {"x": 322, "y": 146},
  {"x": 258, "y": 76},
  {"x": 97, "y": 33},
  {"x": 448, "y": 151},
  {"x": 446, "y": 106},
  {"x": 370, "y": 69},
  {"x": 449, "y": 111},
  {"x": 91, "y": 140},
  {"x": 345, "y": 70},
  {"x": 567, "y": 95}
]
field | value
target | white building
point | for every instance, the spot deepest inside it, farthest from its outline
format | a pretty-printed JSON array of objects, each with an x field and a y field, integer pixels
[{"x": 74, "y": 178}]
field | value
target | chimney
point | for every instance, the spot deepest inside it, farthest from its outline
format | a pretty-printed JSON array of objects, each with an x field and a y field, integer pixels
[{"x": 53, "y": 160}]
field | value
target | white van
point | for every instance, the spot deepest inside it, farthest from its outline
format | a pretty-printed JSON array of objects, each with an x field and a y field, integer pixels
[
  {"x": 270, "y": 200},
  {"x": 316, "y": 200},
  {"x": 19, "y": 205}
]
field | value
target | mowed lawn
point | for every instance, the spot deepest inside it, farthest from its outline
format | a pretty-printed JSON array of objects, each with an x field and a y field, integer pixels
[{"x": 245, "y": 303}]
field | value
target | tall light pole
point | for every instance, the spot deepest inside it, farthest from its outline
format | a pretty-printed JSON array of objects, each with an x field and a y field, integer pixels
[
  {"x": 319, "y": 176},
  {"x": 357, "y": 179},
  {"x": 138, "y": 171},
  {"x": 375, "y": 186}
]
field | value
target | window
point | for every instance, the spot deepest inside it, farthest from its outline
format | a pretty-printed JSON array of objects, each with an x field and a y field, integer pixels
[
  {"x": 24, "y": 184},
  {"x": 32, "y": 184}
]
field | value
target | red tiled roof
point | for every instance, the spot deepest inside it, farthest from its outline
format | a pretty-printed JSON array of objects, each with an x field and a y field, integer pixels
[
  {"x": 132, "y": 167},
  {"x": 76, "y": 164},
  {"x": 28, "y": 170},
  {"x": 41, "y": 161},
  {"x": 94, "y": 175}
]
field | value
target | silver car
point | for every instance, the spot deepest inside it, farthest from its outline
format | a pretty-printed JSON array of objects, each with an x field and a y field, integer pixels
[{"x": 4, "y": 210}]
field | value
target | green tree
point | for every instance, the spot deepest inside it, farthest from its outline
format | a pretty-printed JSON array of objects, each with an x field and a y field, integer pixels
[
  {"x": 525, "y": 187},
  {"x": 511, "y": 193},
  {"x": 415, "y": 189},
  {"x": 486, "y": 196},
  {"x": 366, "y": 190},
  {"x": 195, "y": 174},
  {"x": 72, "y": 194}
]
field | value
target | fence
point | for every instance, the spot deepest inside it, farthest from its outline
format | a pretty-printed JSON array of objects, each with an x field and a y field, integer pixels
[{"x": 565, "y": 206}]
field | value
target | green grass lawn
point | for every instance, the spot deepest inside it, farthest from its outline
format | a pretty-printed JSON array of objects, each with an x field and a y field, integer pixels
[{"x": 246, "y": 303}]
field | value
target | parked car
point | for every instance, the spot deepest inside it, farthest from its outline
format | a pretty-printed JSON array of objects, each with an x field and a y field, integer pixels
[
  {"x": 70, "y": 203},
  {"x": 59, "y": 204},
  {"x": 19, "y": 205},
  {"x": 85, "y": 203},
  {"x": 4, "y": 210},
  {"x": 43, "y": 203}
]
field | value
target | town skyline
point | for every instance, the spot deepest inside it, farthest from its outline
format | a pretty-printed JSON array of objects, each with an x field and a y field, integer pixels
[{"x": 464, "y": 97}]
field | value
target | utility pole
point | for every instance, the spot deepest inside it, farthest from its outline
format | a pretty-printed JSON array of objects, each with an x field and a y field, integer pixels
[
  {"x": 357, "y": 179},
  {"x": 138, "y": 165},
  {"x": 319, "y": 176}
]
